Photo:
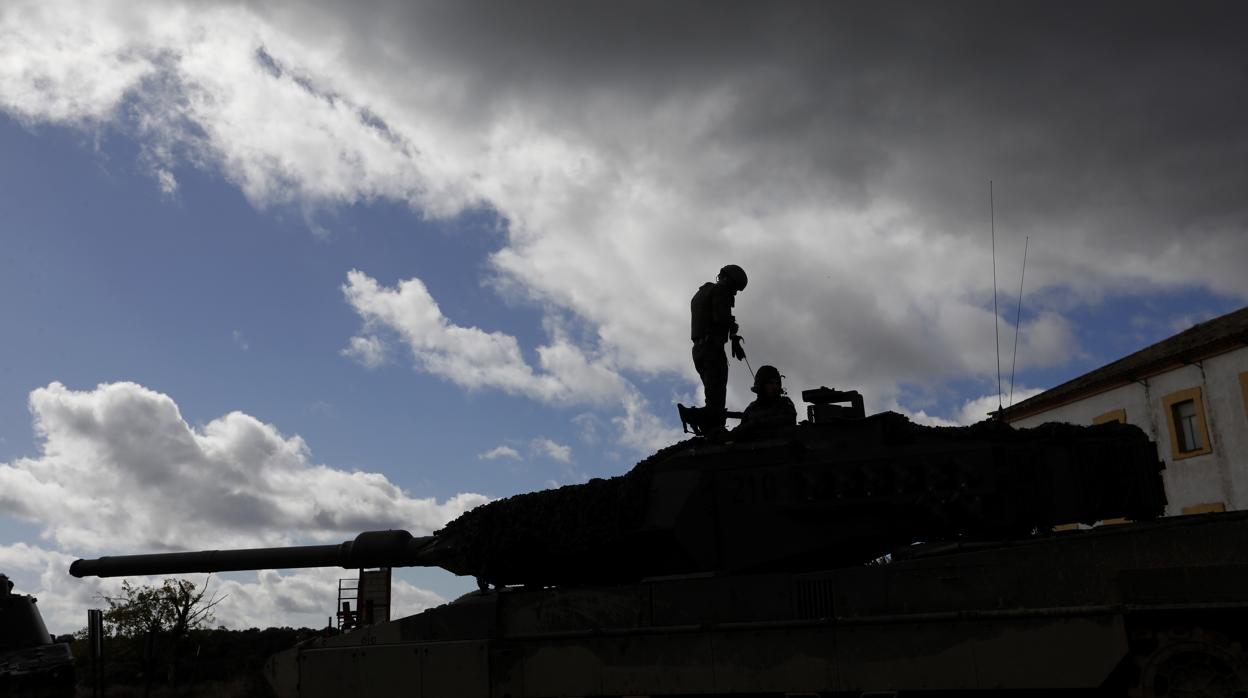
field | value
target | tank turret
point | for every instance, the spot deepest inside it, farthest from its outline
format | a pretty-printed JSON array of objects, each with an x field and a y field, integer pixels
[{"x": 835, "y": 490}]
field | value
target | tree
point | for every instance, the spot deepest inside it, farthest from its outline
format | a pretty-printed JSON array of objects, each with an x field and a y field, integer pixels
[{"x": 160, "y": 615}]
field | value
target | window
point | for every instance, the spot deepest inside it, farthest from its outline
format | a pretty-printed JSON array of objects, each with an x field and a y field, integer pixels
[
  {"x": 1119, "y": 416},
  {"x": 1188, "y": 434},
  {"x": 1186, "y": 430}
]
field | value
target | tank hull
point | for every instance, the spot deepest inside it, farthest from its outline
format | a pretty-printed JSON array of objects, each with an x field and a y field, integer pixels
[{"x": 1121, "y": 610}]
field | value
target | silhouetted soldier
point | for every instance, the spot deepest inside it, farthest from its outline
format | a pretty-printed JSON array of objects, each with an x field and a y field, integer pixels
[
  {"x": 772, "y": 408},
  {"x": 712, "y": 325}
]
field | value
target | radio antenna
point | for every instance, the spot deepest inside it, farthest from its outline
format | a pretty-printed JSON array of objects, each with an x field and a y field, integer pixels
[
  {"x": 996, "y": 320},
  {"x": 1018, "y": 317}
]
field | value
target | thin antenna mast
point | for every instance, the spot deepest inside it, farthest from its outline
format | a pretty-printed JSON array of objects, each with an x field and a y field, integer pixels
[
  {"x": 1018, "y": 317},
  {"x": 996, "y": 320}
]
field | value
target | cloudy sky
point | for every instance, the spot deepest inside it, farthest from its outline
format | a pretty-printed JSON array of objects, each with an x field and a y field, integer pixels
[{"x": 275, "y": 273}]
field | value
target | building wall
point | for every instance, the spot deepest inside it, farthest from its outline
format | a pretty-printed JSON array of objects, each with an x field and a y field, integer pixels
[{"x": 1218, "y": 477}]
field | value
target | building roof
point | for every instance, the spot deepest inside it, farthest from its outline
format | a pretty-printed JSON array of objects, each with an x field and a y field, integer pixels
[{"x": 1201, "y": 341}]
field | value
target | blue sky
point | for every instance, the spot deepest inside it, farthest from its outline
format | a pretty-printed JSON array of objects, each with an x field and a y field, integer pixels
[
  {"x": 275, "y": 275},
  {"x": 201, "y": 294},
  {"x": 203, "y": 297}
]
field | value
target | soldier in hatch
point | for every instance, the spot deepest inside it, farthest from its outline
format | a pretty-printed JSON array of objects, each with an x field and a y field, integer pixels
[
  {"x": 713, "y": 324},
  {"x": 772, "y": 408}
]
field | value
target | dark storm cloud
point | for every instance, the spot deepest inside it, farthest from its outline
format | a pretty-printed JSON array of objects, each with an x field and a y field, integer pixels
[{"x": 1125, "y": 118}]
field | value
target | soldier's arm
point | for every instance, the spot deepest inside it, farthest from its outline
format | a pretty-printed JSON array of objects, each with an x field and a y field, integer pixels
[{"x": 721, "y": 310}]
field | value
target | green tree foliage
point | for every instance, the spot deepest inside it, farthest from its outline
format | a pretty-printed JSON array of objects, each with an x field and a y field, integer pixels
[
  {"x": 154, "y": 621},
  {"x": 176, "y": 607}
]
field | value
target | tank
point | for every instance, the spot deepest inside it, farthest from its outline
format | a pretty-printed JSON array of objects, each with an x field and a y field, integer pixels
[
  {"x": 837, "y": 489},
  {"x": 31, "y": 664},
  {"x": 842, "y": 555}
]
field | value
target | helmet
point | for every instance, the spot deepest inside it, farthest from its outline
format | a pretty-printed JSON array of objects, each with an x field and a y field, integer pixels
[
  {"x": 736, "y": 276},
  {"x": 764, "y": 375}
]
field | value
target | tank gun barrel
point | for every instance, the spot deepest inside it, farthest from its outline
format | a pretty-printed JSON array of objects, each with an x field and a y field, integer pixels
[{"x": 369, "y": 549}]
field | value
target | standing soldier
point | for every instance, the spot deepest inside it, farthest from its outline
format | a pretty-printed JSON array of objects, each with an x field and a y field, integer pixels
[{"x": 713, "y": 324}]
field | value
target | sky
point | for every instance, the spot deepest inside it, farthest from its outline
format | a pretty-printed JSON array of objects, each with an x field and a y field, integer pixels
[{"x": 277, "y": 273}]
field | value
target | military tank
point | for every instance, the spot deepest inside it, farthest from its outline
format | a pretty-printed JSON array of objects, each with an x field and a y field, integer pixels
[
  {"x": 838, "y": 489},
  {"x": 749, "y": 531},
  {"x": 31, "y": 664}
]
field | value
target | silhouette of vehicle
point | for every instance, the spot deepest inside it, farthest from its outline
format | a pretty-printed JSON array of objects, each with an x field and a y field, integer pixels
[
  {"x": 846, "y": 554},
  {"x": 31, "y": 664}
]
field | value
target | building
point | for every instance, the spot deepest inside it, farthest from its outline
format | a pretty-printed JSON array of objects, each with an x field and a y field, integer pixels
[{"x": 1189, "y": 393}]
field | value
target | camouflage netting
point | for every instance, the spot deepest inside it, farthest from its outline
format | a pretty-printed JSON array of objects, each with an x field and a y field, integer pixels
[
  {"x": 895, "y": 429},
  {"x": 570, "y": 520},
  {"x": 570, "y": 529},
  {"x": 899, "y": 430}
]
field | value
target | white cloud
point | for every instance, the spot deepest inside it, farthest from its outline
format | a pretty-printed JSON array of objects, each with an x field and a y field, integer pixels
[
  {"x": 369, "y": 351},
  {"x": 857, "y": 209},
  {"x": 470, "y": 356},
  {"x": 1046, "y": 340},
  {"x": 166, "y": 181},
  {"x": 1186, "y": 321},
  {"x": 119, "y": 469},
  {"x": 922, "y": 417},
  {"x": 477, "y": 359},
  {"x": 501, "y": 451},
  {"x": 241, "y": 341},
  {"x": 971, "y": 411},
  {"x": 552, "y": 449},
  {"x": 589, "y": 427},
  {"x": 305, "y": 597},
  {"x": 977, "y": 410},
  {"x": 77, "y": 74},
  {"x": 642, "y": 430}
]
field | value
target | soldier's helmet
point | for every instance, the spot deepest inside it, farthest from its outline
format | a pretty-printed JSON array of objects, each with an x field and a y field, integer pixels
[
  {"x": 735, "y": 276},
  {"x": 766, "y": 374}
]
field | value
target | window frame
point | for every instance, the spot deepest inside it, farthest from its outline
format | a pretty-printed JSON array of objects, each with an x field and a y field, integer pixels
[
  {"x": 1168, "y": 403},
  {"x": 1119, "y": 415}
]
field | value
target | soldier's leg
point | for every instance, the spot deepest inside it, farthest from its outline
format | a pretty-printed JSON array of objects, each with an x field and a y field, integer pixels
[
  {"x": 704, "y": 362},
  {"x": 715, "y": 382}
]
